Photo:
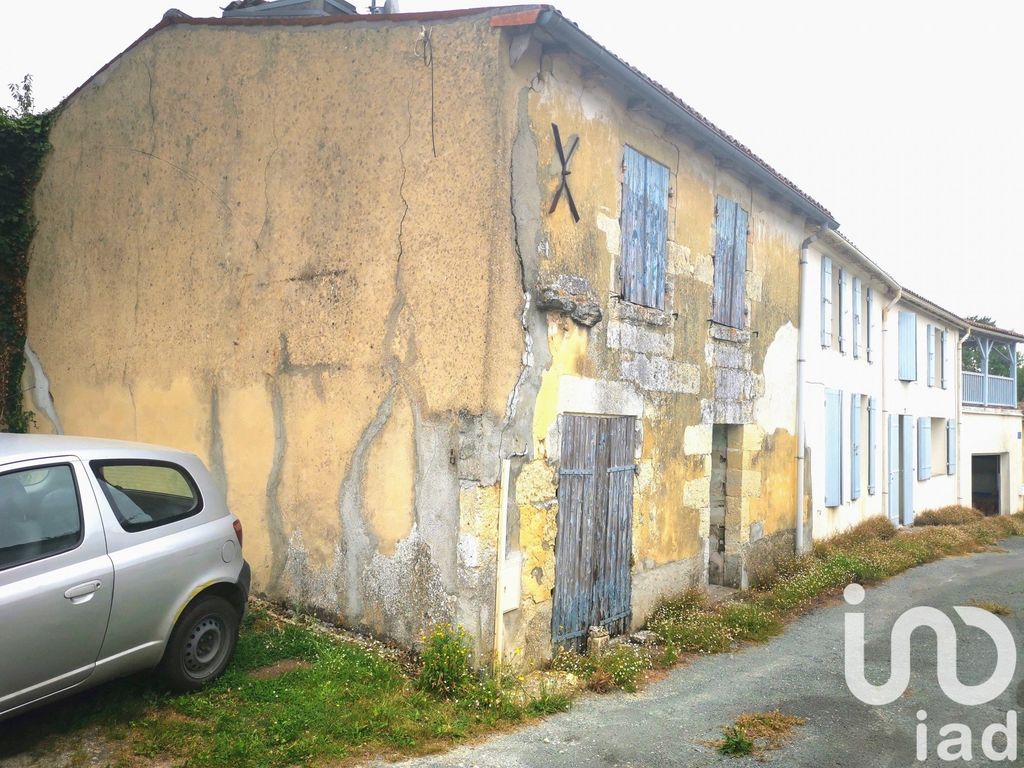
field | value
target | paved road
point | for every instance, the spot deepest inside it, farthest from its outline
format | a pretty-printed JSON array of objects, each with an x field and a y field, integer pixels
[{"x": 801, "y": 673}]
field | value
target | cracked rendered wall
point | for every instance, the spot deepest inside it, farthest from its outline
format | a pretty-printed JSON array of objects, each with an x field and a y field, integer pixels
[
  {"x": 671, "y": 369},
  {"x": 288, "y": 249}
]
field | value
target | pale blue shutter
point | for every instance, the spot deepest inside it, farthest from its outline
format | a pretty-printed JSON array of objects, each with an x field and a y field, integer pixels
[
  {"x": 633, "y": 224},
  {"x": 942, "y": 361},
  {"x": 856, "y": 316},
  {"x": 872, "y": 447},
  {"x": 725, "y": 245},
  {"x": 894, "y": 468},
  {"x": 924, "y": 448},
  {"x": 908, "y": 346},
  {"x": 854, "y": 447},
  {"x": 644, "y": 226},
  {"x": 930, "y": 339},
  {"x": 833, "y": 448},
  {"x": 656, "y": 224},
  {"x": 950, "y": 447},
  {"x": 908, "y": 474},
  {"x": 738, "y": 283},
  {"x": 826, "y": 302},
  {"x": 842, "y": 310},
  {"x": 868, "y": 335}
]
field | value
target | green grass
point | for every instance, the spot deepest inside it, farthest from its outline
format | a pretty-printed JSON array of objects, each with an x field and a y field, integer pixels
[{"x": 350, "y": 702}]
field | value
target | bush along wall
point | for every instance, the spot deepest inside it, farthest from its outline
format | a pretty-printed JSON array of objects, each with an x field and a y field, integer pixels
[{"x": 23, "y": 144}]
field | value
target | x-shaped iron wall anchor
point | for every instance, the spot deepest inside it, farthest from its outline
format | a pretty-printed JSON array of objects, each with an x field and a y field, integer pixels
[{"x": 565, "y": 158}]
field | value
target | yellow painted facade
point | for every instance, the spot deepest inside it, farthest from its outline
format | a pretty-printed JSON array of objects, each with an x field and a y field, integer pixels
[{"x": 312, "y": 254}]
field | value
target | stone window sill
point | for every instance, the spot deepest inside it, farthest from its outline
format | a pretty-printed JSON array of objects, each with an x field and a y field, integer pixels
[
  {"x": 639, "y": 314},
  {"x": 728, "y": 333}
]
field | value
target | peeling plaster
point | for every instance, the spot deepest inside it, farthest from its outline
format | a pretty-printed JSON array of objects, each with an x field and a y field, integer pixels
[{"x": 40, "y": 389}]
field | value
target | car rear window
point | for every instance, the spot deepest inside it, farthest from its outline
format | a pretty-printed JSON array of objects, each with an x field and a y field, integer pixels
[
  {"x": 40, "y": 515},
  {"x": 147, "y": 494}
]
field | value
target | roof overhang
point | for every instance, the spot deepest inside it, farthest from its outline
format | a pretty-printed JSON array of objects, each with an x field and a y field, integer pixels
[
  {"x": 851, "y": 252},
  {"x": 921, "y": 303},
  {"x": 555, "y": 30}
]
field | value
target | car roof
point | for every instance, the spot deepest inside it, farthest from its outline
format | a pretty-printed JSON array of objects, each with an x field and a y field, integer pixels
[{"x": 17, "y": 447}]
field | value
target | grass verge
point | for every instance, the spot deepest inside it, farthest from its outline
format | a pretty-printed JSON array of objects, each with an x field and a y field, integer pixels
[{"x": 343, "y": 702}]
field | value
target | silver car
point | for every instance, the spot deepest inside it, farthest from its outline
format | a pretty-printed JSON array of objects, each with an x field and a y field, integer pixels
[{"x": 114, "y": 557}]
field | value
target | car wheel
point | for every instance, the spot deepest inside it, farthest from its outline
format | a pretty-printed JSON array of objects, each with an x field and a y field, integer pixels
[{"x": 201, "y": 644}]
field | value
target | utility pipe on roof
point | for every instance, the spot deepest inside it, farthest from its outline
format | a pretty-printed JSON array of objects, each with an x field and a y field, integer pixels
[{"x": 801, "y": 360}]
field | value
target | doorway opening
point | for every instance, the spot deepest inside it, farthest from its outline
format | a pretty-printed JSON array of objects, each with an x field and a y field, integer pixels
[
  {"x": 985, "y": 484},
  {"x": 724, "y": 562}
]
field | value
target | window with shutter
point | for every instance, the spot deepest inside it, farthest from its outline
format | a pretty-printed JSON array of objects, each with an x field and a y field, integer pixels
[
  {"x": 826, "y": 302},
  {"x": 942, "y": 361},
  {"x": 950, "y": 447},
  {"x": 930, "y": 338},
  {"x": 729, "y": 302},
  {"x": 924, "y": 448},
  {"x": 872, "y": 446},
  {"x": 869, "y": 301},
  {"x": 644, "y": 225},
  {"x": 833, "y": 448},
  {"x": 841, "y": 318},
  {"x": 856, "y": 317},
  {"x": 855, "y": 447},
  {"x": 908, "y": 346}
]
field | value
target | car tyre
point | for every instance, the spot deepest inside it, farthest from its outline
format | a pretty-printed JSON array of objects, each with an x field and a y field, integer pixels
[{"x": 201, "y": 645}]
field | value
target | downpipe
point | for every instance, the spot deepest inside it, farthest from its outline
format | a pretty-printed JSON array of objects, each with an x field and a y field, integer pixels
[{"x": 801, "y": 360}]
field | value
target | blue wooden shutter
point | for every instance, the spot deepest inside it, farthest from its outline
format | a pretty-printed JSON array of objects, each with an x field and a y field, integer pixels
[
  {"x": 725, "y": 244},
  {"x": 826, "y": 302},
  {"x": 950, "y": 447},
  {"x": 924, "y": 448},
  {"x": 942, "y": 361},
  {"x": 908, "y": 346},
  {"x": 856, "y": 316},
  {"x": 842, "y": 310},
  {"x": 930, "y": 339},
  {"x": 872, "y": 445},
  {"x": 894, "y": 468},
  {"x": 738, "y": 281},
  {"x": 644, "y": 228},
  {"x": 656, "y": 225},
  {"x": 908, "y": 474},
  {"x": 633, "y": 224},
  {"x": 854, "y": 447},
  {"x": 833, "y": 448},
  {"x": 868, "y": 335}
]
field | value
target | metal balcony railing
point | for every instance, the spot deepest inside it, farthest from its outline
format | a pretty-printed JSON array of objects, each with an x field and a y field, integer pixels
[{"x": 1001, "y": 390}]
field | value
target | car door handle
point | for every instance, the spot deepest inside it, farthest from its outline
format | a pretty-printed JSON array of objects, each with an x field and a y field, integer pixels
[{"x": 83, "y": 592}]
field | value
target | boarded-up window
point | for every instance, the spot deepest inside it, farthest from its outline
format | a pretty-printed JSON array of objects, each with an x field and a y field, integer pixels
[
  {"x": 644, "y": 227},
  {"x": 833, "y": 448},
  {"x": 729, "y": 300},
  {"x": 908, "y": 346}
]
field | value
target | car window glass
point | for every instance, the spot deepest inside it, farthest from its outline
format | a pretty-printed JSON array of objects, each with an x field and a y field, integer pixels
[
  {"x": 147, "y": 494},
  {"x": 40, "y": 514}
]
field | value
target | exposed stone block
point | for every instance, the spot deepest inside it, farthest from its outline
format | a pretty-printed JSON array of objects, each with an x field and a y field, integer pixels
[
  {"x": 697, "y": 439},
  {"x": 571, "y": 295},
  {"x": 753, "y": 437},
  {"x": 660, "y": 374},
  {"x": 639, "y": 338}
]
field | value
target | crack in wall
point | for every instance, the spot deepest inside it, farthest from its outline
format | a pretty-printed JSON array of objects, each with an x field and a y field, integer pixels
[{"x": 275, "y": 524}]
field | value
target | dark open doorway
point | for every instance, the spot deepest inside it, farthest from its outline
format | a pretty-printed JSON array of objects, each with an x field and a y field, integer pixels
[{"x": 985, "y": 484}]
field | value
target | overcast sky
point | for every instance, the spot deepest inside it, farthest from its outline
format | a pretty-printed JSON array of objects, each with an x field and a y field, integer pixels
[{"x": 902, "y": 118}]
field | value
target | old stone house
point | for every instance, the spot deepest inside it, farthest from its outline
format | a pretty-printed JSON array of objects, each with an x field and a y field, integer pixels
[{"x": 473, "y": 321}]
